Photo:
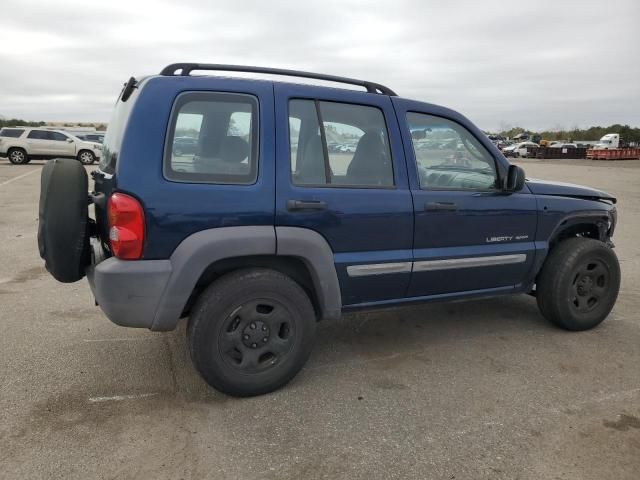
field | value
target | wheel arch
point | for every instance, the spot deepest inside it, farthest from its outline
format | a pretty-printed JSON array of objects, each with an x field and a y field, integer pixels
[
  {"x": 591, "y": 225},
  {"x": 586, "y": 224},
  {"x": 292, "y": 267},
  {"x": 201, "y": 258}
]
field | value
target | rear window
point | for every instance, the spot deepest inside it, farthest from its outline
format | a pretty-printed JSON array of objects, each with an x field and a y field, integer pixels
[
  {"x": 115, "y": 133},
  {"x": 11, "y": 132},
  {"x": 213, "y": 138}
]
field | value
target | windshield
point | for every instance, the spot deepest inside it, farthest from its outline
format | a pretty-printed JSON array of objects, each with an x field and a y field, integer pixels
[{"x": 115, "y": 133}]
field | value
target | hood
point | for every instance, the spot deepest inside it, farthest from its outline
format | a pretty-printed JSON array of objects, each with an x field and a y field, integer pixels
[{"x": 560, "y": 189}]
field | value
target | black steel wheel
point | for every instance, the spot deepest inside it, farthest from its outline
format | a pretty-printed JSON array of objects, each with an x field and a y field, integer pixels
[
  {"x": 590, "y": 285},
  {"x": 257, "y": 335},
  {"x": 579, "y": 283},
  {"x": 251, "y": 331}
]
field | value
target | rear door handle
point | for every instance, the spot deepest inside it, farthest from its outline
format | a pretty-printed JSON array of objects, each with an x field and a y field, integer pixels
[
  {"x": 293, "y": 205},
  {"x": 440, "y": 206}
]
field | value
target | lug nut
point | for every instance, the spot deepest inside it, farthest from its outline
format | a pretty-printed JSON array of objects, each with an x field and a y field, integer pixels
[
  {"x": 264, "y": 328},
  {"x": 253, "y": 326},
  {"x": 246, "y": 337},
  {"x": 265, "y": 339},
  {"x": 254, "y": 345}
]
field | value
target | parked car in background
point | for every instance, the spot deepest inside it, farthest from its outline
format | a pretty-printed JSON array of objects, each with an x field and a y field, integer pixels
[
  {"x": 23, "y": 144},
  {"x": 185, "y": 146},
  {"x": 92, "y": 137},
  {"x": 347, "y": 149},
  {"x": 563, "y": 145},
  {"x": 518, "y": 149}
]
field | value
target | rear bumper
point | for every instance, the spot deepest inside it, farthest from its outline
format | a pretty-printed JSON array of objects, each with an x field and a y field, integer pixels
[{"x": 129, "y": 291}]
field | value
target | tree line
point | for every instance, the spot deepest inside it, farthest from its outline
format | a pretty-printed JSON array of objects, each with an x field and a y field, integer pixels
[
  {"x": 630, "y": 134},
  {"x": 12, "y": 122}
]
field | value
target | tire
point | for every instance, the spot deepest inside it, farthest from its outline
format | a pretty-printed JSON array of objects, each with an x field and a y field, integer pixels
[
  {"x": 578, "y": 284},
  {"x": 86, "y": 157},
  {"x": 18, "y": 156},
  {"x": 63, "y": 227},
  {"x": 230, "y": 322}
]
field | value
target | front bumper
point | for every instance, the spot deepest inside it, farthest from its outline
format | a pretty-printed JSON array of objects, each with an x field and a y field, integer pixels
[{"x": 129, "y": 291}]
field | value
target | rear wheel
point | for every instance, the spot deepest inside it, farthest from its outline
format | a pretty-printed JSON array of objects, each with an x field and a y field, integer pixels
[
  {"x": 18, "y": 156},
  {"x": 578, "y": 284},
  {"x": 251, "y": 331},
  {"x": 86, "y": 157}
]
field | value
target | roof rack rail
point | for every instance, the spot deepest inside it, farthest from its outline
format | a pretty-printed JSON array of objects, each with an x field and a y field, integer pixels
[{"x": 187, "y": 68}]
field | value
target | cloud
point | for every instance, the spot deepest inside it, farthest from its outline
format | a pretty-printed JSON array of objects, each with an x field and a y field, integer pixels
[{"x": 535, "y": 64}]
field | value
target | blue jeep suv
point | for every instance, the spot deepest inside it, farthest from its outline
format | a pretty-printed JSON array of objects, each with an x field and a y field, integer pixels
[{"x": 264, "y": 228}]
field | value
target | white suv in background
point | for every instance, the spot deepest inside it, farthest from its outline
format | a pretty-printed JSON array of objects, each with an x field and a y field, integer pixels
[{"x": 23, "y": 144}]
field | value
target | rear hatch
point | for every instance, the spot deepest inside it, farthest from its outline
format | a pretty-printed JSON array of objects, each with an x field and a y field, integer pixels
[{"x": 104, "y": 176}]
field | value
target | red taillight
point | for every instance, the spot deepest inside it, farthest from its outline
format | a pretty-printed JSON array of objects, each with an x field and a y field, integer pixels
[{"x": 126, "y": 226}]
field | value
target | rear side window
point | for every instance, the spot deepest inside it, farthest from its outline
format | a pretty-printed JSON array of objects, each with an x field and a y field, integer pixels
[
  {"x": 11, "y": 132},
  {"x": 338, "y": 144},
  {"x": 213, "y": 138},
  {"x": 38, "y": 135}
]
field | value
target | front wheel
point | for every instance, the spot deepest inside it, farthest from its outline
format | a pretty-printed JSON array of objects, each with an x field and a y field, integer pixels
[
  {"x": 86, "y": 157},
  {"x": 251, "y": 331},
  {"x": 578, "y": 284}
]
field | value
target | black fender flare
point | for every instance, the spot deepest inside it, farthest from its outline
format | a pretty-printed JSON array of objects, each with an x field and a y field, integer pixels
[
  {"x": 598, "y": 218},
  {"x": 312, "y": 248},
  {"x": 201, "y": 249}
]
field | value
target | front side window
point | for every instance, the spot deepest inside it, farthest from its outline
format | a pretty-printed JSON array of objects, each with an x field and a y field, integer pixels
[
  {"x": 338, "y": 144},
  {"x": 448, "y": 156},
  {"x": 213, "y": 138},
  {"x": 57, "y": 136}
]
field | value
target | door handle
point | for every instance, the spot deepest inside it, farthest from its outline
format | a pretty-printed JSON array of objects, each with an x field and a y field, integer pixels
[
  {"x": 440, "y": 206},
  {"x": 293, "y": 205}
]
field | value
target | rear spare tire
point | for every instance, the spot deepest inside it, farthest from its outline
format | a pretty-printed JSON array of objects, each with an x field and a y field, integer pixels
[{"x": 63, "y": 228}]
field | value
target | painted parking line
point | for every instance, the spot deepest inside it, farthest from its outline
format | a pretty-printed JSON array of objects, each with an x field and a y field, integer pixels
[
  {"x": 6, "y": 182},
  {"x": 136, "y": 339},
  {"x": 120, "y": 398}
]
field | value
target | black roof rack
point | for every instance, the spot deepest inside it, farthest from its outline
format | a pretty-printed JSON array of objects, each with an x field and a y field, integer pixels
[{"x": 187, "y": 68}]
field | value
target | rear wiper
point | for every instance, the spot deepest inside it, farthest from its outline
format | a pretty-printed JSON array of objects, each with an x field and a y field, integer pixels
[{"x": 128, "y": 89}]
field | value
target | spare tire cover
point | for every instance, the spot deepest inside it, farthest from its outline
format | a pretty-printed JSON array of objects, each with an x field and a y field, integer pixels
[{"x": 63, "y": 228}]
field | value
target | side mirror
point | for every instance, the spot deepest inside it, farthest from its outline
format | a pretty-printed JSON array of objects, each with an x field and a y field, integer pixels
[
  {"x": 69, "y": 140},
  {"x": 515, "y": 179}
]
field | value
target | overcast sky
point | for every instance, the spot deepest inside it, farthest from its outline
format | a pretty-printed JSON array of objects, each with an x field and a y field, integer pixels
[{"x": 538, "y": 64}]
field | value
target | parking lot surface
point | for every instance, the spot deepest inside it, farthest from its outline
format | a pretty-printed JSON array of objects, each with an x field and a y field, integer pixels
[{"x": 467, "y": 390}]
